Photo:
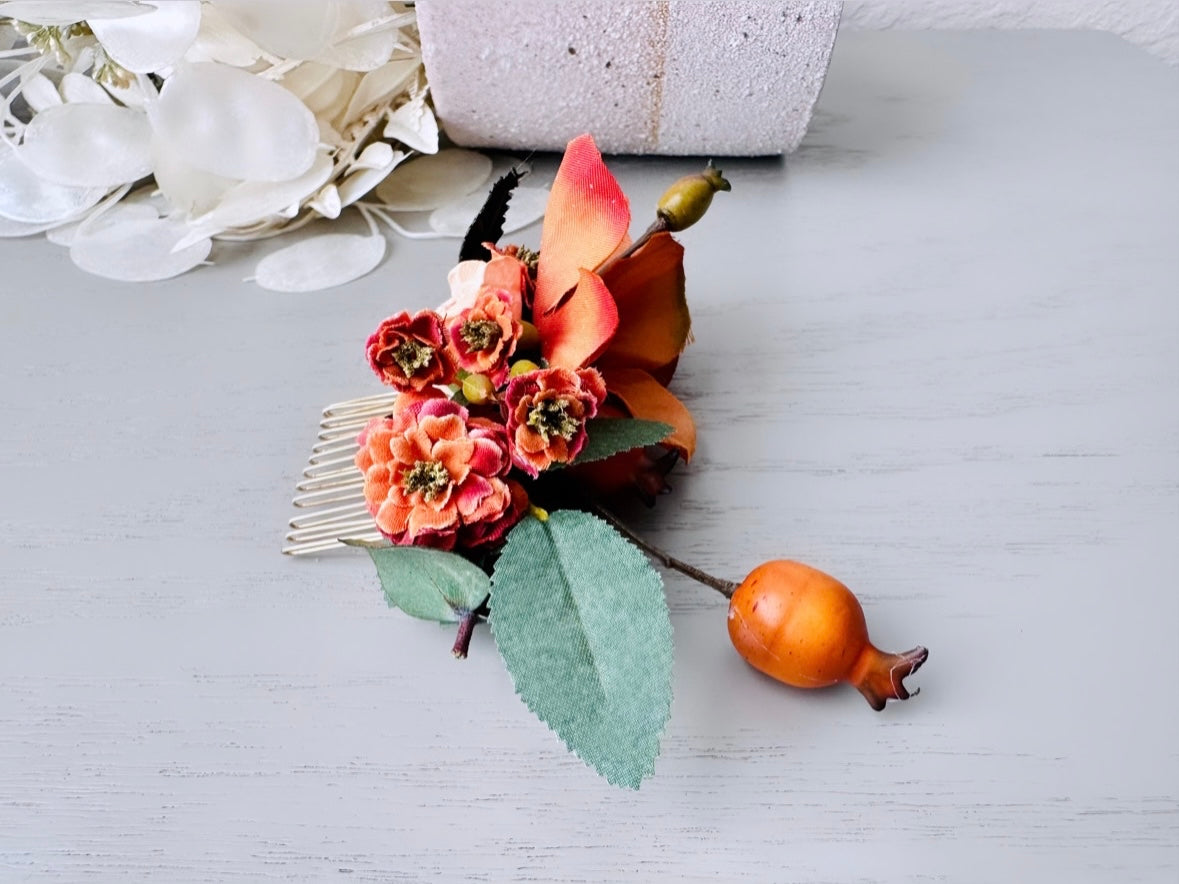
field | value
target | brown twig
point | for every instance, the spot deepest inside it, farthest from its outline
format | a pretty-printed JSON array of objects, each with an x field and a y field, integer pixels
[{"x": 724, "y": 587}]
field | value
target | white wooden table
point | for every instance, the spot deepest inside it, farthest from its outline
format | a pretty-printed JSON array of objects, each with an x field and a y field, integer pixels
[{"x": 937, "y": 354}]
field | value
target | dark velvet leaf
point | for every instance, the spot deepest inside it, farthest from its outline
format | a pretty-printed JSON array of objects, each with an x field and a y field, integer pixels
[{"x": 488, "y": 225}]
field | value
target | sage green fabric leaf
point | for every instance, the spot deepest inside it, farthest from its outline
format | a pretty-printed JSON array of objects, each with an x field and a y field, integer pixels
[
  {"x": 366, "y": 544},
  {"x": 428, "y": 583},
  {"x": 580, "y": 619},
  {"x": 609, "y": 435}
]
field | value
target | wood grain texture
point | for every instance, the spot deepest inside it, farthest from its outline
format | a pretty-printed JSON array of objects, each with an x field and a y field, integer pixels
[{"x": 936, "y": 355}]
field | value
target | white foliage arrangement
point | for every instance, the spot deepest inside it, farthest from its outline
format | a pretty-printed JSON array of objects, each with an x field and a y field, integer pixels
[{"x": 137, "y": 132}]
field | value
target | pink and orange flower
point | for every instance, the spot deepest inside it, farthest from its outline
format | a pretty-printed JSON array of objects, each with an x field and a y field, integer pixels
[
  {"x": 483, "y": 337},
  {"x": 409, "y": 352},
  {"x": 435, "y": 476},
  {"x": 546, "y": 415}
]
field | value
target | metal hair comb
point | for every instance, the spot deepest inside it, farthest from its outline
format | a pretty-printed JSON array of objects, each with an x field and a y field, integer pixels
[{"x": 331, "y": 492}]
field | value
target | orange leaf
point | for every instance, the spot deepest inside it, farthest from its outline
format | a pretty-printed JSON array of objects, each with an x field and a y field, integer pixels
[
  {"x": 575, "y": 334},
  {"x": 646, "y": 398},
  {"x": 653, "y": 320},
  {"x": 586, "y": 219}
]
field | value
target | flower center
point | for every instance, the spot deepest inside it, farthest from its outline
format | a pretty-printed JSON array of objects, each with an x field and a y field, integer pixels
[
  {"x": 529, "y": 258},
  {"x": 412, "y": 355},
  {"x": 550, "y": 417},
  {"x": 480, "y": 334},
  {"x": 427, "y": 476}
]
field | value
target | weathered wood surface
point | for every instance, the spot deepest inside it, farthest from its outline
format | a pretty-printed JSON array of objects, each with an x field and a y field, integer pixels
[{"x": 937, "y": 353}]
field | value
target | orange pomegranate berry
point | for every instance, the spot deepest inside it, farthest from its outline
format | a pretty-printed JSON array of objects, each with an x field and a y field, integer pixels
[{"x": 805, "y": 628}]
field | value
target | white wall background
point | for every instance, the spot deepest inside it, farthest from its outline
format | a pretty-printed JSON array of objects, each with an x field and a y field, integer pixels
[{"x": 1152, "y": 24}]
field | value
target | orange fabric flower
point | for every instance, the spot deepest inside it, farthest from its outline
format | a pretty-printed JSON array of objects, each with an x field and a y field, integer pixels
[
  {"x": 546, "y": 415},
  {"x": 631, "y": 319},
  {"x": 409, "y": 352},
  {"x": 483, "y": 337},
  {"x": 434, "y": 476}
]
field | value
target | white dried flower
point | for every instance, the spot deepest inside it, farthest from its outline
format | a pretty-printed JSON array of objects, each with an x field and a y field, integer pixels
[{"x": 138, "y": 131}]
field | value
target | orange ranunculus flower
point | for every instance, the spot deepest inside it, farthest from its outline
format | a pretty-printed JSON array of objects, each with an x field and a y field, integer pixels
[
  {"x": 434, "y": 476},
  {"x": 483, "y": 337},
  {"x": 546, "y": 414},
  {"x": 409, "y": 352}
]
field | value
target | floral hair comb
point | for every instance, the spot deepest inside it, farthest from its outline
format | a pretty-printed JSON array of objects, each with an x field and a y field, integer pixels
[{"x": 523, "y": 407}]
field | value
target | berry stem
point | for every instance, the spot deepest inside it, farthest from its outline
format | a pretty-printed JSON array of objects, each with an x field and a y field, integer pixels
[
  {"x": 466, "y": 629},
  {"x": 724, "y": 587},
  {"x": 657, "y": 226}
]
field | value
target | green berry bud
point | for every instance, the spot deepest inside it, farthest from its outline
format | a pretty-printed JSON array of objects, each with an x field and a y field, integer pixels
[
  {"x": 529, "y": 337},
  {"x": 522, "y": 366},
  {"x": 686, "y": 201},
  {"x": 478, "y": 388}
]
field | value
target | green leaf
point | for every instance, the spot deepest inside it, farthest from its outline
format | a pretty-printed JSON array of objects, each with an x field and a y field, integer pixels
[
  {"x": 429, "y": 583},
  {"x": 609, "y": 435},
  {"x": 365, "y": 544},
  {"x": 581, "y": 622}
]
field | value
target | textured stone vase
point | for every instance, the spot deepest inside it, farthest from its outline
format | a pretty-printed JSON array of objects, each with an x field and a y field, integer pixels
[{"x": 731, "y": 78}]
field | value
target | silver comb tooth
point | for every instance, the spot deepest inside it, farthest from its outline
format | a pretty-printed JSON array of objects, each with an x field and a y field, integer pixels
[
  {"x": 343, "y": 431},
  {"x": 329, "y": 514},
  {"x": 326, "y": 545},
  {"x": 344, "y": 493},
  {"x": 384, "y": 400},
  {"x": 330, "y": 463},
  {"x": 348, "y": 417},
  {"x": 323, "y": 450},
  {"x": 331, "y": 531},
  {"x": 327, "y": 476}
]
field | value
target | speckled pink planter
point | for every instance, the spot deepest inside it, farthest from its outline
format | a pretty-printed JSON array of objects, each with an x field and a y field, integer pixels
[{"x": 732, "y": 78}]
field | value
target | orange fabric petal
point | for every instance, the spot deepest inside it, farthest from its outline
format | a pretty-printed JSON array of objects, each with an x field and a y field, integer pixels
[
  {"x": 508, "y": 273},
  {"x": 585, "y": 220},
  {"x": 427, "y": 518},
  {"x": 653, "y": 320},
  {"x": 455, "y": 456},
  {"x": 646, "y": 398},
  {"x": 576, "y": 334}
]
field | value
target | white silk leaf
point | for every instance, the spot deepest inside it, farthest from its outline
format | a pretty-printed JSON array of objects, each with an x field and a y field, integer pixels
[
  {"x": 327, "y": 98},
  {"x": 321, "y": 262},
  {"x": 80, "y": 89},
  {"x": 431, "y": 181},
  {"x": 377, "y": 155},
  {"x": 253, "y": 201},
  {"x": 88, "y": 145},
  {"x": 218, "y": 40},
  {"x": 414, "y": 125},
  {"x": 66, "y": 12},
  {"x": 30, "y": 199},
  {"x": 39, "y": 92},
  {"x": 64, "y": 234},
  {"x": 10, "y": 229},
  {"x": 188, "y": 189},
  {"x": 327, "y": 202},
  {"x": 303, "y": 79},
  {"x": 146, "y": 43},
  {"x": 358, "y": 183},
  {"x": 378, "y": 86},
  {"x": 235, "y": 124},
  {"x": 131, "y": 247},
  {"x": 367, "y": 49},
  {"x": 299, "y": 29}
]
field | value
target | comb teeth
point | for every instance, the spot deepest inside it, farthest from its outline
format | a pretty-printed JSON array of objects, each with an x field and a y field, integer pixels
[{"x": 331, "y": 492}]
